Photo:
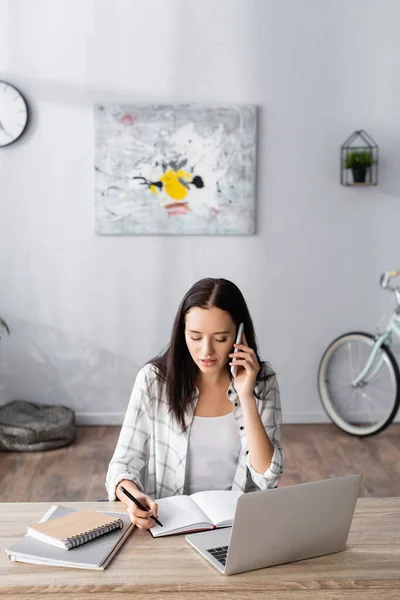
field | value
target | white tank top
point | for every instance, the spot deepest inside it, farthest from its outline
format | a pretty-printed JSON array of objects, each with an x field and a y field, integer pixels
[{"x": 213, "y": 454}]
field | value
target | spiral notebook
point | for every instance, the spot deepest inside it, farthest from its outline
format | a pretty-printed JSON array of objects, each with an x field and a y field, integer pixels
[
  {"x": 95, "y": 555},
  {"x": 74, "y": 529}
]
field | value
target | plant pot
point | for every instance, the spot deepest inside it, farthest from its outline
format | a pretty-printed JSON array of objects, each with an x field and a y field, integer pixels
[{"x": 359, "y": 174}]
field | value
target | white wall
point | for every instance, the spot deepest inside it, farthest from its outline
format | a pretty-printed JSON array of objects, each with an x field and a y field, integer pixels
[{"x": 87, "y": 311}]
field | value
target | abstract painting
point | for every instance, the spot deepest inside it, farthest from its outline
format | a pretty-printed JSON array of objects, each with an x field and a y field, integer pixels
[{"x": 175, "y": 169}]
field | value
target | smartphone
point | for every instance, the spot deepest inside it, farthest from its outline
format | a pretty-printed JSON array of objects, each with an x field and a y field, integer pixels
[{"x": 237, "y": 341}]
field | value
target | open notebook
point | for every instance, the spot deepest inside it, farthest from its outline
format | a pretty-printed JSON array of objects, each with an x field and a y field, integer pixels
[
  {"x": 96, "y": 554},
  {"x": 198, "y": 512}
]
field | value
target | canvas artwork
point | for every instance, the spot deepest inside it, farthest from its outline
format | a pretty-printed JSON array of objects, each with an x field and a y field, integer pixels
[{"x": 175, "y": 169}]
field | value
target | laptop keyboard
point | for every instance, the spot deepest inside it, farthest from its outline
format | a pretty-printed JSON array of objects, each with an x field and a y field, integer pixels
[{"x": 219, "y": 553}]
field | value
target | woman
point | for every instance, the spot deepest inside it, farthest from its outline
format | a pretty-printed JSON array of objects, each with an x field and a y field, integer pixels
[{"x": 189, "y": 425}]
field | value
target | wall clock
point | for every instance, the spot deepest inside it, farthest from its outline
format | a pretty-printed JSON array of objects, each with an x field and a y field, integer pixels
[{"x": 13, "y": 114}]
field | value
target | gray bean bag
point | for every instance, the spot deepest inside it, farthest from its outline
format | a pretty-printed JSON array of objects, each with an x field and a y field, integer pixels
[{"x": 28, "y": 427}]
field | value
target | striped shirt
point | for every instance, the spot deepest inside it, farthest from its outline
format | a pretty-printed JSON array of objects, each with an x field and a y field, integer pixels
[{"x": 151, "y": 449}]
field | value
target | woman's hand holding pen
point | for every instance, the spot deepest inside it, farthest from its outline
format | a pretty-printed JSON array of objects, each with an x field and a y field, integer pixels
[{"x": 139, "y": 517}]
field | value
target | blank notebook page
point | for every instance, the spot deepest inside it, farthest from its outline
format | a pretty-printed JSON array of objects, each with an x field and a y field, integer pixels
[
  {"x": 219, "y": 505},
  {"x": 176, "y": 512}
]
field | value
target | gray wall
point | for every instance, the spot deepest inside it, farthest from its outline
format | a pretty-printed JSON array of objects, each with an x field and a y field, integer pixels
[{"x": 87, "y": 311}]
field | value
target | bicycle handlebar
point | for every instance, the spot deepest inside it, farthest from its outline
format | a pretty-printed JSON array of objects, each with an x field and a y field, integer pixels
[{"x": 385, "y": 278}]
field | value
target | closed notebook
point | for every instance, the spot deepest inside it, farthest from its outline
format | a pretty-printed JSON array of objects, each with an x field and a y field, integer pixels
[
  {"x": 95, "y": 555},
  {"x": 74, "y": 529},
  {"x": 197, "y": 512}
]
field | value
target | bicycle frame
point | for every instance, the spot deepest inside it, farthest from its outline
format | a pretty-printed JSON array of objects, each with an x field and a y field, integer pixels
[{"x": 385, "y": 337}]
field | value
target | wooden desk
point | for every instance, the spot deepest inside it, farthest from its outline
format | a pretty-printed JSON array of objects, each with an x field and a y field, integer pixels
[{"x": 168, "y": 568}]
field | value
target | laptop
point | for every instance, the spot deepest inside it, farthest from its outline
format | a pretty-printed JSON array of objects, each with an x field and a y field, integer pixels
[{"x": 282, "y": 525}]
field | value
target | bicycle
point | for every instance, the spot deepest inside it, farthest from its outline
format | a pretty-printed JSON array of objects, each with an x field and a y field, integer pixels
[{"x": 358, "y": 376}]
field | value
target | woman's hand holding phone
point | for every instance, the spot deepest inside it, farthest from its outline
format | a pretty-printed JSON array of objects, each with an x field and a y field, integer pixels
[
  {"x": 237, "y": 341},
  {"x": 244, "y": 356}
]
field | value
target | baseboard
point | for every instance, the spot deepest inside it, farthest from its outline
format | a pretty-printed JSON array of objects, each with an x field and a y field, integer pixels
[
  {"x": 289, "y": 417},
  {"x": 305, "y": 417},
  {"x": 99, "y": 418}
]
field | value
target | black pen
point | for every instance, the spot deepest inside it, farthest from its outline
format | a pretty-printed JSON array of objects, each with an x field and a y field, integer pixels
[{"x": 121, "y": 487}]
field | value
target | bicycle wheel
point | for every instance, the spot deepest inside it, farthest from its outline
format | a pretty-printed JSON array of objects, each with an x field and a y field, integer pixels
[{"x": 369, "y": 407}]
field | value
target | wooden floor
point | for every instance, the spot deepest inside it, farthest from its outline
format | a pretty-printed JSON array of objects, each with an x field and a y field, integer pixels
[{"x": 312, "y": 452}]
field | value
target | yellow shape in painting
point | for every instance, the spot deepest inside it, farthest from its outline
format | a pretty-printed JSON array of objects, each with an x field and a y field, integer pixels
[
  {"x": 153, "y": 188},
  {"x": 173, "y": 187}
]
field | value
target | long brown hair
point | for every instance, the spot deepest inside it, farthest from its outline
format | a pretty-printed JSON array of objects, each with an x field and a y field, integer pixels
[{"x": 175, "y": 367}]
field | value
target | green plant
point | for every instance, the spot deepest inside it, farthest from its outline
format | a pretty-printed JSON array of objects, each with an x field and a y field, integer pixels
[
  {"x": 3, "y": 327},
  {"x": 357, "y": 159}
]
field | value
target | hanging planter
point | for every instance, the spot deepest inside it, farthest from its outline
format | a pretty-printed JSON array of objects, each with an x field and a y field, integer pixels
[{"x": 359, "y": 163}]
